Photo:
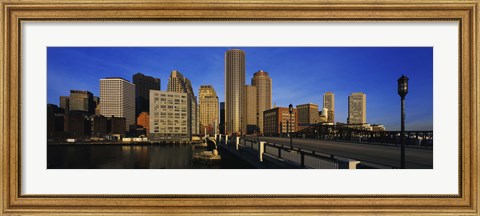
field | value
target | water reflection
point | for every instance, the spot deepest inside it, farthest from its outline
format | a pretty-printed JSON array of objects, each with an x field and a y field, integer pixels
[{"x": 129, "y": 157}]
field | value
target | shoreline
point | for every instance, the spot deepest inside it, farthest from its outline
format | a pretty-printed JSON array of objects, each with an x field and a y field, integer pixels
[{"x": 122, "y": 143}]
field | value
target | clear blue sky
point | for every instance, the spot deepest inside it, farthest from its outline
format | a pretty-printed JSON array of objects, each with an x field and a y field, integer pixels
[{"x": 299, "y": 74}]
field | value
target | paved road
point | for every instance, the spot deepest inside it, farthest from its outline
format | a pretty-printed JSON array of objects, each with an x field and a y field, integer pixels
[{"x": 388, "y": 155}]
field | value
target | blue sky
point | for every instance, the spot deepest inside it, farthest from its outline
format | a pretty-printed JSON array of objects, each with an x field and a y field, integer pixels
[{"x": 299, "y": 74}]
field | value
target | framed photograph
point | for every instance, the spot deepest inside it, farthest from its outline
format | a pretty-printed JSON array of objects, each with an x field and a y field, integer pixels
[{"x": 228, "y": 107}]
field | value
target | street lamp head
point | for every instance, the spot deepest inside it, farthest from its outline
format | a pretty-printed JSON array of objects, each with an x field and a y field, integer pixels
[
  {"x": 402, "y": 86},
  {"x": 290, "y": 108}
]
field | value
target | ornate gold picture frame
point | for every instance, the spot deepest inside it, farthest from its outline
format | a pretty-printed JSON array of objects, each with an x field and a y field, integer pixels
[{"x": 14, "y": 13}]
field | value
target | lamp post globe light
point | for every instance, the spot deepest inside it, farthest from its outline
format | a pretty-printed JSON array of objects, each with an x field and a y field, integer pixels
[
  {"x": 402, "y": 91},
  {"x": 290, "y": 110}
]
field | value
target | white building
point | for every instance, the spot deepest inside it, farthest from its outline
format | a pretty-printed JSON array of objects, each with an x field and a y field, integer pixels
[
  {"x": 169, "y": 116},
  {"x": 357, "y": 108},
  {"x": 118, "y": 99}
]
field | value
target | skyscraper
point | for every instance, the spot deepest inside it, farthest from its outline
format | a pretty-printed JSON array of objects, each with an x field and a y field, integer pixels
[
  {"x": 180, "y": 84},
  {"x": 329, "y": 103},
  {"x": 357, "y": 108},
  {"x": 143, "y": 85},
  {"x": 251, "y": 107},
  {"x": 235, "y": 91},
  {"x": 208, "y": 109},
  {"x": 263, "y": 82},
  {"x": 118, "y": 99}
]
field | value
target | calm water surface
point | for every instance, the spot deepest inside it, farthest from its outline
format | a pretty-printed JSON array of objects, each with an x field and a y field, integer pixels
[{"x": 77, "y": 156}]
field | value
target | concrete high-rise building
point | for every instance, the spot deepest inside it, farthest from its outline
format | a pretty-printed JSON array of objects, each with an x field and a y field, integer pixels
[
  {"x": 235, "y": 91},
  {"x": 221, "y": 125},
  {"x": 277, "y": 121},
  {"x": 78, "y": 101},
  {"x": 263, "y": 82},
  {"x": 169, "y": 116},
  {"x": 180, "y": 84},
  {"x": 329, "y": 103},
  {"x": 143, "y": 85},
  {"x": 251, "y": 106},
  {"x": 118, "y": 99},
  {"x": 81, "y": 101},
  {"x": 208, "y": 109},
  {"x": 308, "y": 113},
  {"x": 357, "y": 108}
]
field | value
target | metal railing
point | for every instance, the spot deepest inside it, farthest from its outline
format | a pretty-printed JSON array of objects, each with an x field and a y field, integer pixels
[
  {"x": 344, "y": 133},
  {"x": 303, "y": 158}
]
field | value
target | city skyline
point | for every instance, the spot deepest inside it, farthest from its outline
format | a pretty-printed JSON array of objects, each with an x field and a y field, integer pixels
[{"x": 205, "y": 66}]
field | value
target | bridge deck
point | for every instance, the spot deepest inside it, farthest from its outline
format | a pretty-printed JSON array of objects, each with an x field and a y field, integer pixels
[{"x": 416, "y": 158}]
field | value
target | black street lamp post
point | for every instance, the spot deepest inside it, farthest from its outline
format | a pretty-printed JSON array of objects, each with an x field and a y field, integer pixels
[
  {"x": 290, "y": 110},
  {"x": 402, "y": 91}
]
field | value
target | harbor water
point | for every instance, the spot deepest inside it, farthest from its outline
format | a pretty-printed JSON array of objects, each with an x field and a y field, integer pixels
[{"x": 175, "y": 156}]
